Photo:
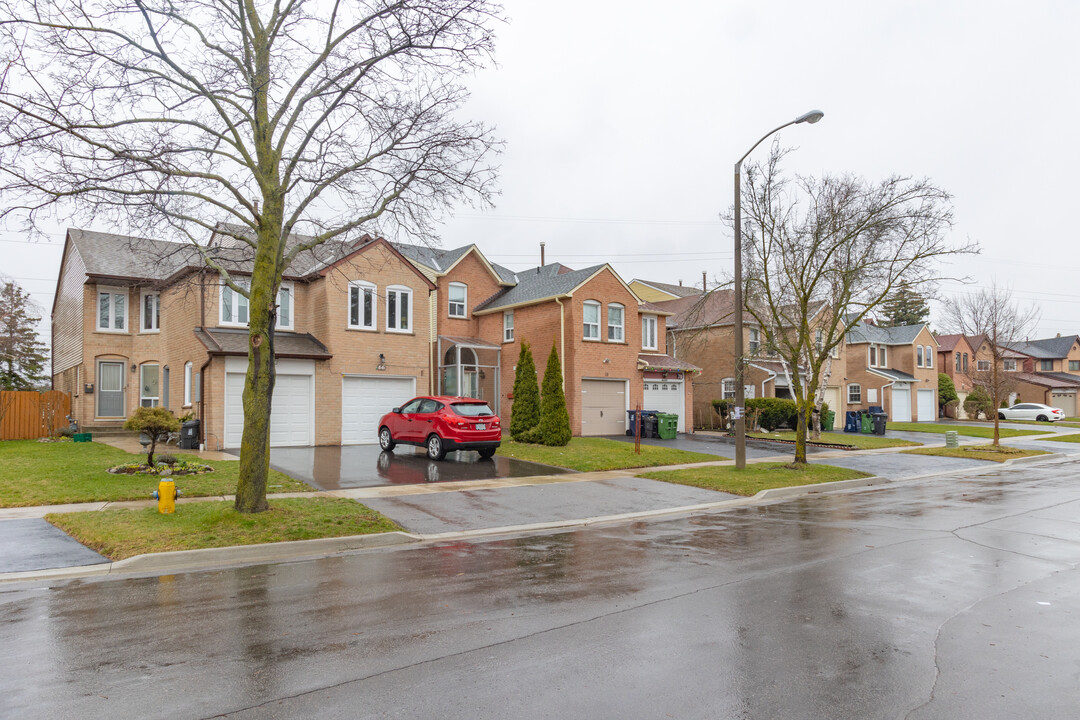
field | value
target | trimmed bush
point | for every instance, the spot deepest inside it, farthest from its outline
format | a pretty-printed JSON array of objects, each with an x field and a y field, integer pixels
[
  {"x": 979, "y": 401},
  {"x": 554, "y": 420},
  {"x": 946, "y": 389},
  {"x": 772, "y": 413},
  {"x": 156, "y": 423},
  {"x": 525, "y": 410}
]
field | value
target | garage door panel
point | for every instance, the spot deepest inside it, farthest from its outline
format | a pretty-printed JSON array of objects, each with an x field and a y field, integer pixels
[
  {"x": 1065, "y": 401},
  {"x": 603, "y": 407},
  {"x": 364, "y": 400},
  {"x": 927, "y": 406},
  {"x": 667, "y": 397},
  {"x": 901, "y": 404},
  {"x": 290, "y": 410}
]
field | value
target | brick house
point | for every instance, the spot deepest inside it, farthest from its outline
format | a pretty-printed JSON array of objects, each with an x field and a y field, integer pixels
[
  {"x": 893, "y": 368},
  {"x": 610, "y": 343},
  {"x": 142, "y": 322},
  {"x": 1050, "y": 372},
  {"x": 701, "y": 331},
  {"x": 956, "y": 358}
]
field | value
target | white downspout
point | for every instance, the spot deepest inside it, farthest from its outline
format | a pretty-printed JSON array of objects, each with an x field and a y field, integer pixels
[
  {"x": 562, "y": 342},
  {"x": 883, "y": 395},
  {"x": 772, "y": 376}
]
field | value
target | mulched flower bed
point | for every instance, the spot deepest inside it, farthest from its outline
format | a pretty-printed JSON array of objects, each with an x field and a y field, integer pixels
[
  {"x": 163, "y": 470},
  {"x": 54, "y": 439}
]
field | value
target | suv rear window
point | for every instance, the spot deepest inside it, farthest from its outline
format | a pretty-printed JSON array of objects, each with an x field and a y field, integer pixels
[{"x": 471, "y": 409}]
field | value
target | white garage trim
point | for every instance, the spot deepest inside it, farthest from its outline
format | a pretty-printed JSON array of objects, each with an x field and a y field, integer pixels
[
  {"x": 296, "y": 382},
  {"x": 927, "y": 407},
  {"x": 665, "y": 399},
  {"x": 365, "y": 399}
]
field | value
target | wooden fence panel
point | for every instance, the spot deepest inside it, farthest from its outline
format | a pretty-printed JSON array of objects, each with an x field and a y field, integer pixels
[{"x": 25, "y": 415}]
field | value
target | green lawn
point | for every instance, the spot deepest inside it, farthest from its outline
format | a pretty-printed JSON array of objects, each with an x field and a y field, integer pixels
[
  {"x": 1074, "y": 438},
  {"x": 979, "y": 452},
  {"x": 862, "y": 442},
  {"x": 585, "y": 453},
  {"x": 119, "y": 533},
  {"x": 755, "y": 477},
  {"x": 33, "y": 473},
  {"x": 968, "y": 430}
]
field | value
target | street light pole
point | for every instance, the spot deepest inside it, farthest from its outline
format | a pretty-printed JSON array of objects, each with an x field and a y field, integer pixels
[{"x": 740, "y": 390}]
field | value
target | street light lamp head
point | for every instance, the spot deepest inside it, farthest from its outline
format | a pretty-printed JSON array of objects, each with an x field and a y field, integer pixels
[{"x": 811, "y": 117}]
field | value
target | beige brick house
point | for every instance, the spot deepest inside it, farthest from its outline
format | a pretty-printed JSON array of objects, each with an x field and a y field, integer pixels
[
  {"x": 956, "y": 358},
  {"x": 611, "y": 344},
  {"x": 894, "y": 368},
  {"x": 142, "y": 322}
]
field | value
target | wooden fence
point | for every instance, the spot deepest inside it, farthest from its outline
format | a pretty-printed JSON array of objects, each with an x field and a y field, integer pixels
[{"x": 27, "y": 415}]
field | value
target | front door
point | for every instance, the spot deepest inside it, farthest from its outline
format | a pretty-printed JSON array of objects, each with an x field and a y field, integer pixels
[{"x": 110, "y": 390}]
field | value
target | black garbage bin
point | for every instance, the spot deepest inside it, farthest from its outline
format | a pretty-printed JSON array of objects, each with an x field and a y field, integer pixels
[
  {"x": 879, "y": 423},
  {"x": 189, "y": 435},
  {"x": 649, "y": 423}
]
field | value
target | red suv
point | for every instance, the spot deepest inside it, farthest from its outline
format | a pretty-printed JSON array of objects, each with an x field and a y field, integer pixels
[{"x": 442, "y": 424}]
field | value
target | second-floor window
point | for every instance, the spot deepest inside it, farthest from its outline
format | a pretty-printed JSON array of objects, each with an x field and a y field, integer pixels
[
  {"x": 965, "y": 362},
  {"x": 854, "y": 393},
  {"x": 1009, "y": 365},
  {"x": 754, "y": 345},
  {"x": 459, "y": 298},
  {"x": 957, "y": 357},
  {"x": 398, "y": 309},
  {"x": 615, "y": 322},
  {"x": 983, "y": 365},
  {"x": 508, "y": 326},
  {"x": 151, "y": 312},
  {"x": 234, "y": 306},
  {"x": 590, "y": 315},
  {"x": 819, "y": 340},
  {"x": 1074, "y": 365},
  {"x": 879, "y": 356},
  {"x": 648, "y": 332},
  {"x": 362, "y": 305},
  {"x": 918, "y": 355},
  {"x": 929, "y": 356},
  {"x": 112, "y": 310},
  {"x": 1046, "y": 365}
]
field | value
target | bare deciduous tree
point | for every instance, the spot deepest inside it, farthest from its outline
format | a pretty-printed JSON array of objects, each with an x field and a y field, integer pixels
[
  {"x": 820, "y": 253},
  {"x": 991, "y": 312},
  {"x": 281, "y": 124}
]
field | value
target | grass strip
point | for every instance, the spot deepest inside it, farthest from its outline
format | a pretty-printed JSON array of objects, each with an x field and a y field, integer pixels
[
  {"x": 978, "y": 452},
  {"x": 857, "y": 440},
  {"x": 1074, "y": 438},
  {"x": 966, "y": 430},
  {"x": 33, "y": 473},
  {"x": 119, "y": 533},
  {"x": 589, "y": 454},
  {"x": 755, "y": 477}
]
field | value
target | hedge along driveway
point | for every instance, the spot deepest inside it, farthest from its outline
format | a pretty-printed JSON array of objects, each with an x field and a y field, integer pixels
[{"x": 36, "y": 473}]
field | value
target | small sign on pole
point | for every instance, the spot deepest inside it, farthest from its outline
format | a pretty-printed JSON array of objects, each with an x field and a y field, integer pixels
[{"x": 736, "y": 413}]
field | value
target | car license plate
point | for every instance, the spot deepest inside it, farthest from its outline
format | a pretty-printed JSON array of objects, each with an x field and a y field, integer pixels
[{"x": 481, "y": 426}]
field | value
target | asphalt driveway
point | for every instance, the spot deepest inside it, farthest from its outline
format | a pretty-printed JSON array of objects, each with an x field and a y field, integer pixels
[
  {"x": 33, "y": 544},
  {"x": 354, "y": 466}
]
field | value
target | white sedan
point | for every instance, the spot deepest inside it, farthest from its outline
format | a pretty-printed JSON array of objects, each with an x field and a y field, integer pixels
[{"x": 1031, "y": 411}]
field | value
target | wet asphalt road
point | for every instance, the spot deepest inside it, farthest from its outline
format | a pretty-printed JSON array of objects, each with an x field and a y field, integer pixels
[{"x": 946, "y": 598}]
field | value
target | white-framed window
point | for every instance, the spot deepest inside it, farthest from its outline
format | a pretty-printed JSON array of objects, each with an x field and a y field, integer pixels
[
  {"x": 929, "y": 357},
  {"x": 727, "y": 388},
  {"x": 398, "y": 309},
  {"x": 956, "y": 356},
  {"x": 879, "y": 356},
  {"x": 187, "y": 384},
  {"x": 755, "y": 341},
  {"x": 458, "y": 294},
  {"x": 112, "y": 310},
  {"x": 1009, "y": 365},
  {"x": 648, "y": 332},
  {"x": 983, "y": 365},
  {"x": 362, "y": 305},
  {"x": 1046, "y": 365},
  {"x": 148, "y": 385},
  {"x": 508, "y": 326},
  {"x": 918, "y": 356},
  {"x": 590, "y": 317},
  {"x": 234, "y": 306},
  {"x": 150, "y": 310},
  {"x": 615, "y": 322},
  {"x": 819, "y": 339},
  {"x": 854, "y": 393}
]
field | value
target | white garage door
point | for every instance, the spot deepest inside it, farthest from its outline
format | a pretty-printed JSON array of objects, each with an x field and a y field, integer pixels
[
  {"x": 901, "y": 403},
  {"x": 603, "y": 407},
  {"x": 1065, "y": 401},
  {"x": 364, "y": 400},
  {"x": 290, "y": 410},
  {"x": 927, "y": 406},
  {"x": 667, "y": 397}
]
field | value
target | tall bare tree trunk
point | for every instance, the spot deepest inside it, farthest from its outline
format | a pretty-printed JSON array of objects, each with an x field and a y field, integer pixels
[{"x": 800, "y": 437}]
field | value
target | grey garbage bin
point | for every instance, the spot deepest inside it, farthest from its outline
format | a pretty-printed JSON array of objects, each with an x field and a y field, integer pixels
[{"x": 189, "y": 435}]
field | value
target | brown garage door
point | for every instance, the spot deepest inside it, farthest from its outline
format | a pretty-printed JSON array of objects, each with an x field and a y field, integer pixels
[
  {"x": 1065, "y": 401},
  {"x": 603, "y": 407}
]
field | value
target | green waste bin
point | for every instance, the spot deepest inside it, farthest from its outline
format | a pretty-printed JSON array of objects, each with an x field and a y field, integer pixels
[
  {"x": 827, "y": 419},
  {"x": 866, "y": 423},
  {"x": 668, "y": 425}
]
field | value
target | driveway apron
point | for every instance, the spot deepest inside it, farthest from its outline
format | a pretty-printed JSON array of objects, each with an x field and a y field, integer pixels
[{"x": 36, "y": 545}]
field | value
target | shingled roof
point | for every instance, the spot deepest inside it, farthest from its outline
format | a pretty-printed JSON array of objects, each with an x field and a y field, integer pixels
[
  {"x": 901, "y": 335},
  {"x": 539, "y": 283},
  {"x": 676, "y": 290},
  {"x": 1048, "y": 348},
  {"x": 231, "y": 341}
]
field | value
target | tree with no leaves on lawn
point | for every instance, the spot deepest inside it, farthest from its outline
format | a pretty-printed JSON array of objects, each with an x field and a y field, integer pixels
[{"x": 280, "y": 126}]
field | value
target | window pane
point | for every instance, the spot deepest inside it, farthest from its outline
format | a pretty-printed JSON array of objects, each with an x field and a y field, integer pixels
[
  {"x": 284, "y": 307},
  {"x": 119, "y": 311},
  {"x": 369, "y": 308},
  {"x": 149, "y": 381},
  {"x": 457, "y": 293},
  {"x": 242, "y": 307},
  {"x": 227, "y": 305},
  {"x": 104, "y": 300},
  {"x": 148, "y": 312},
  {"x": 592, "y": 313},
  {"x": 354, "y": 306},
  {"x": 404, "y": 311},
  {"x": 391, "y": 306}
]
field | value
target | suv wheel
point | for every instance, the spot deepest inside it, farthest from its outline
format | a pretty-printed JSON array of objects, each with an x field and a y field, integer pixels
[
  {"x": 435, "y": 449},
  {"x": 486, "y": 452},
  {"x": 386, "y": 440}
]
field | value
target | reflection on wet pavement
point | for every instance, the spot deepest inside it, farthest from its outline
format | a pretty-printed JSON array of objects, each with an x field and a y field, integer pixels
[{"x": 353, "y": 466}]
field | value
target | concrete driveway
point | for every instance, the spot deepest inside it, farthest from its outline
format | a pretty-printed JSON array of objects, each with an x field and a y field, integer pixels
[{"x": 355, "y": 466}]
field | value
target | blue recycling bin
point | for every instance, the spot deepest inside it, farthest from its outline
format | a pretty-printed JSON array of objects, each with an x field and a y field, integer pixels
[{"x": 851, "y": 421}]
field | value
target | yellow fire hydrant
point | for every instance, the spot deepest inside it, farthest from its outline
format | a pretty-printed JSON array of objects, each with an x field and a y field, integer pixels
[{"x": 166, "y": 496}]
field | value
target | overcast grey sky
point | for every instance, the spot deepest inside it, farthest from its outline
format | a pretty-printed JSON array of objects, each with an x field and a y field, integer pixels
[{"x": 622, "y": 123}]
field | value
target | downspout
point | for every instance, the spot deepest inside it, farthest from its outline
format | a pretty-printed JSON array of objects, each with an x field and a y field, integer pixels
[
  {"x": 772, "y": 376},
  {"x": 562, "y": 342},
  {"x": 890, "y": 384}
]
